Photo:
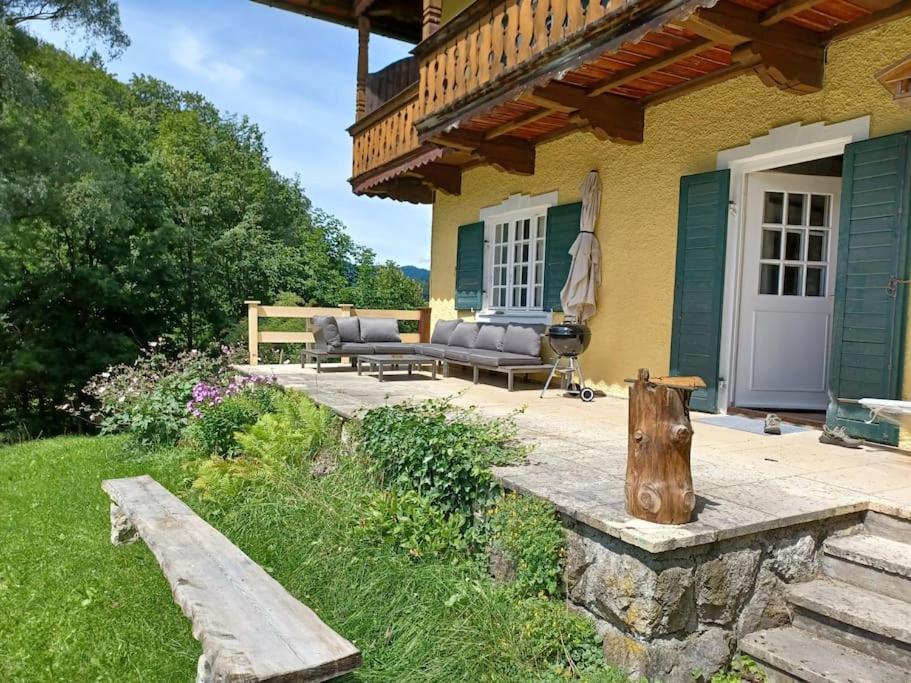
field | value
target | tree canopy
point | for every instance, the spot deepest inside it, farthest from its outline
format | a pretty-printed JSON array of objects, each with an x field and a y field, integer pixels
[{"x": 130, "y": 211}]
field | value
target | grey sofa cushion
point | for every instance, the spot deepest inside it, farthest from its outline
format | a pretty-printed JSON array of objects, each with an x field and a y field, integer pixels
[
  {"x": 497, "y": 359},
  {"x": 443, "y": 330},
  {"x": 349, "y": 329},
  {"x": 380, "y": 330},
  {"x": 325, "y": 331},
  {"x": 464, "y": 335},
  {"x": 431, "y": 350},
  {"x": 490, "y": 337},
  {"x": 393, "y": 347},
  {"x": 457, "y": 353},
  {"x": 523, "y": 339},
  {"x": 353, "y": 348}
]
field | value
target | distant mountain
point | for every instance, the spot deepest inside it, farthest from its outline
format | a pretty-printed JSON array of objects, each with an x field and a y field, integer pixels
[{"x": 422, "y": 275}]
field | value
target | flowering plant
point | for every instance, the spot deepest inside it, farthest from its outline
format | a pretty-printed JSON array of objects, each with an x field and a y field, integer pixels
[
  {"x": 148, "y": 398},
  {"x": 208, "y": 394}
]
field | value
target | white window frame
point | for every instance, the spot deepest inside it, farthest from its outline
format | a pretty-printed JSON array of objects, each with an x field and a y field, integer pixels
[{"x": 516, "y": 207}]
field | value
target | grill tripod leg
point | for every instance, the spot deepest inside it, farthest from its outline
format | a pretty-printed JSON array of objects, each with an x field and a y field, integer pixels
[{"x": 553, "y": 371}]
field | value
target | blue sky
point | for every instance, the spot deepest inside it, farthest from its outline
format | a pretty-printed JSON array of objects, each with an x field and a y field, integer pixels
[{"x": 295, "y": 77}]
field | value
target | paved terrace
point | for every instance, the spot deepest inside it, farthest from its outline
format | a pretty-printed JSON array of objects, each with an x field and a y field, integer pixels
[{"x": 745, "y": 483}]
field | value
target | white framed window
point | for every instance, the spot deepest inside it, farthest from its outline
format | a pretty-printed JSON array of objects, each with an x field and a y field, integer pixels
[{"x": 515, "y": 238}]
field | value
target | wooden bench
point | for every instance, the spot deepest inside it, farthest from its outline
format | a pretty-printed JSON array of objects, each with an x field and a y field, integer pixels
[{"x": 250, "y": 627}]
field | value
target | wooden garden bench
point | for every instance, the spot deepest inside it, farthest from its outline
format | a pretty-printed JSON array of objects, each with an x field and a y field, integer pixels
[{"x": 250, "y": 627}]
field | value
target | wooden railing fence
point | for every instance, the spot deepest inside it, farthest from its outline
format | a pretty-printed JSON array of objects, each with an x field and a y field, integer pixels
[
  {"x": 255, "y": 311},
  {"x": 389, "y": 137}
]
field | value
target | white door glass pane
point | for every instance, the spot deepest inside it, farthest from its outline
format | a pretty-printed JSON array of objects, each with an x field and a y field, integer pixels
[
  {"x": 791, "y": 283},
  {"x": 796, "y": 208},
  {"x": 816, "y": 281},
  {"x": 819, "y": 210},
  {"x": 793, "y": 249},
  {"x": 768, "y": 279},
  {"x": 773, "y": 212},
  {"x": 771, "y": 244},
  {"x": 816, "y": 246}
]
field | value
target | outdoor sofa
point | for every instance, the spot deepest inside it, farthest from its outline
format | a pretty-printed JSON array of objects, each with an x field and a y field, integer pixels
[{"x": 506, "y": 348}]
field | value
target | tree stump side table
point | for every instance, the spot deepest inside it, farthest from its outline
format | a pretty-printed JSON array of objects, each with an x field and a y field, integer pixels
[{"x": 659, "y": 483}]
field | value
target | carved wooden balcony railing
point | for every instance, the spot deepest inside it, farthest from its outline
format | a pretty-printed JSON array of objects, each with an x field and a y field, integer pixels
[
  {"x": 387, "y": 133},
  {"x": 509, "y": 34}
]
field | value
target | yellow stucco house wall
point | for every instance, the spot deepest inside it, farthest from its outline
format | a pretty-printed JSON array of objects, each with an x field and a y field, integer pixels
[{"x": 638, "y": 221}]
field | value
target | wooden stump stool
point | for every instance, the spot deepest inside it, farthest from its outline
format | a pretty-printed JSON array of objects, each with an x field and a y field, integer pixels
[{"x": 659, "y": 484}]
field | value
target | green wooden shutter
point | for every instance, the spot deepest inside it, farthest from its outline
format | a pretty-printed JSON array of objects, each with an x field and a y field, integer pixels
[
  {"x": 470, "y": 266},
  {"x": 868, "y": 325},
  {"x": 562, "y": 229},
  {"x": 699, "y": 282}
]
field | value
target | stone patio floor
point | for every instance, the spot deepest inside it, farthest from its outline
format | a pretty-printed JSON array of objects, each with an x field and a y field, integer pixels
[{"x": 745, "y": 483}]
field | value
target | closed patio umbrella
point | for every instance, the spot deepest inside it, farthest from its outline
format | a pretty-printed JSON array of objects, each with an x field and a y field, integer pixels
[{"x": 584, "y": 279}]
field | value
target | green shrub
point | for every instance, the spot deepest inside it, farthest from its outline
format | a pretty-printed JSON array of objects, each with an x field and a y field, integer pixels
[
  {"x": 565, "y": 643},
  {"x": 294, "y": 433},
  {"x": 528, "y": 530},
  {"x": 411, "y": 524},
  {"x": 214, "y": 432},
  {"x": 440, "y": 451},
  {"x": 221, "y": 480}
]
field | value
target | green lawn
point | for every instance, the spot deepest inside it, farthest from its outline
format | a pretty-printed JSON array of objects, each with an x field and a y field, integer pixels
[{"x": 75, "y": 608}]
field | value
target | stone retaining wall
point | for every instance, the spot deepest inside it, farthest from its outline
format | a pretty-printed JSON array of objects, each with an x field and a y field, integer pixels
[{"x": 667, "y": 615}]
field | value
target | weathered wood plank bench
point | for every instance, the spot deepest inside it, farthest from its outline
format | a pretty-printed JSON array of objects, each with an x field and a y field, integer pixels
[{"x": 250, "y": 627}]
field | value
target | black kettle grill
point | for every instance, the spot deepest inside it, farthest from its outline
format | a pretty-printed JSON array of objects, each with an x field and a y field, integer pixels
[{"x": 568, "y": 340}]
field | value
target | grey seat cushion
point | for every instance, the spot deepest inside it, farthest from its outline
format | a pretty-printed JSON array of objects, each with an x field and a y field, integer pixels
[
  {"x": 464, "y": 335},
  {"x": 490, "y": 337},
  {"x": 457, "y": 354},
  {"x": 349, "y": 329},
  {"x": 380, "y": 330},
  {"x": 325, "y": 331},
  {"x": 431, "y": 350},
  {"x": 443, "y": 330},
  {"x": 496, "y": 359},
  {"x": 523, "y": 339},
  {"x": 393, "y": 347},
  {"x": 354, "y": 348}
]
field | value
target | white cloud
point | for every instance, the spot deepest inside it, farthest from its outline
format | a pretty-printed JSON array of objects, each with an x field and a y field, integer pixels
[{"x": 188, "y": 50}]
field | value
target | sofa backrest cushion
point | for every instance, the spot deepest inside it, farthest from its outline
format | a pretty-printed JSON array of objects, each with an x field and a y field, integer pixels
[
  {"x": 325, "y": 330},
  {"x": 490, "y": 337},
  {"x": 380, "y": 330},
  {"x": 464, "y": 335},
  {"x": 349, "y": 328},
  {"x": 524, "y": 339},
  {"x": 443, "y": 330}
]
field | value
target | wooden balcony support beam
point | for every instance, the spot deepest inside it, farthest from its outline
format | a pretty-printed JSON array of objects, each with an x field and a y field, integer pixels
[
  {"x": 896, "y": 11},
  {"x": 611, "y": 117},
  {"x": 507, "y": 153},
  {"x": 789, "y": 57},
  {"x": 785, "y": 9},
  {"x": 516, "y": 123},
  {"x": 443, "y": 177},
  {"x": 363, "y": 65}
]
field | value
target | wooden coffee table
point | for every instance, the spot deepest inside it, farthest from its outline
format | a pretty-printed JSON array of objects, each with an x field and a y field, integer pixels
[{"x": 388, "y": 361}]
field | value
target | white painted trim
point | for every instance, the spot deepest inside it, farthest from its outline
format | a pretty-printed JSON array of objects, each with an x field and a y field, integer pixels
[
  {"x": 512, "y": 207},
  {"x": 791, "y": 144},
  {"x": 519, "y": 203}
]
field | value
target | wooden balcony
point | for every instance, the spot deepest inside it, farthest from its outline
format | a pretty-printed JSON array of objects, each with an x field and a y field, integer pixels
[{"x": 505, "y": 75}]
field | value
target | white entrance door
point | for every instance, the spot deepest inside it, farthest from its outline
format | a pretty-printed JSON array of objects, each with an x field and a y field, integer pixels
[{"x": 787, "y": 291}]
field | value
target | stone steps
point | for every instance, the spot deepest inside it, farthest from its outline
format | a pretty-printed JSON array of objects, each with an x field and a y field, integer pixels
[
  {"x": 853, "y": 623},
  {"x": 854, "y": 617},
  {"x": 871, "y": 562},
  {"x": 792, "y": 654}
]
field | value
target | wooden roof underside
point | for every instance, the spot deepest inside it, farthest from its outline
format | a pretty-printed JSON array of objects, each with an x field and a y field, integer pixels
[
  {"x": 399, "y": 19},
  {"x": 668, "y": 61}
]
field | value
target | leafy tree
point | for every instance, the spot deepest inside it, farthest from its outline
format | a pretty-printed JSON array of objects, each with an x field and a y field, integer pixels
[{"x": 130, "y": 211}]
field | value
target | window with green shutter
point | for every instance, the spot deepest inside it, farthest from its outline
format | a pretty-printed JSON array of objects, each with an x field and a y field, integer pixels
[
  {"x": 470, "y": 266},
  {"x": 699, "y": 282},
  {"x": 869, "y": 321},
  {"x": 562, "y": 229}
]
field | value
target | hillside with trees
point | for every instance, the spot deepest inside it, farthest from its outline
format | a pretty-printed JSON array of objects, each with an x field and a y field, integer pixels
[{"x": 133, "y": 211}]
